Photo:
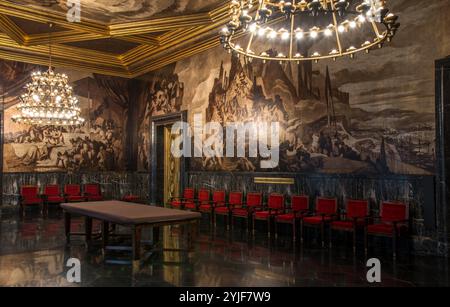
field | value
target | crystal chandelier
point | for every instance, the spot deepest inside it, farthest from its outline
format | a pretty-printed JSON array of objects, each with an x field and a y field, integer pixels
[
  {"x": 48, "y": 100},
  {"x": 307, "y": 30}
]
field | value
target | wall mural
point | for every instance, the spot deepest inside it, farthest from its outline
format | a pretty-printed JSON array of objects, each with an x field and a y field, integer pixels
[
  {"x": 371, "y": 115},
  {"x": 98, "y": 145},
  {"x": 163, "y": 94}
]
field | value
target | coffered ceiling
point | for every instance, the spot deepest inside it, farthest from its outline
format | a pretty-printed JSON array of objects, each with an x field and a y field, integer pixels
[{"x": 124, "y": 38}]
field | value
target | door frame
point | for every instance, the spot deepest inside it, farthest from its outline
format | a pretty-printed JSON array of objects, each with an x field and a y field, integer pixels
[
  {"x": 443, "y": 147},
  {"x": 156, "y": 122}
]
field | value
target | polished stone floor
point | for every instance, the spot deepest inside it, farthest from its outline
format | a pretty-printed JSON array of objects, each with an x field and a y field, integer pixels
[{"x": 33, "y": 253}]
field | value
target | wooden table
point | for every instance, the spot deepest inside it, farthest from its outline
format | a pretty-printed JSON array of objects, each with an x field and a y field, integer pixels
[{"x": 135, "y": 216}]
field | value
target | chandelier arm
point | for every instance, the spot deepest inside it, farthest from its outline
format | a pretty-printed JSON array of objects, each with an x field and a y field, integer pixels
[
  {"x": 375, "y": 28},
  {"x": 335, "y": 22},
  {"x": 291, "y": 43},
  {"x": 250, "y": 41}
]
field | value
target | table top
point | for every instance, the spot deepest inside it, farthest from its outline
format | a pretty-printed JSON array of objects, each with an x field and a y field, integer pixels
[{"x": 128, "y": 213}]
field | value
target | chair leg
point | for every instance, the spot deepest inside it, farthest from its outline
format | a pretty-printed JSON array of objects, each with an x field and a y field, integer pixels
[
  {"x": 330, "y": 237},
  {"x": 394, "y": 247},
  {"x": 354, "y": 241},
  {"x": 322, "y": 230},
  {"x": 301, "y": 231},
  {"x": 268, "y": 228},
  {"x": 294, "y": 231},
  {"x": 253, "y": 226},
  {"x": 365, "y": 242},
  {"x": 276, "y": 229}
]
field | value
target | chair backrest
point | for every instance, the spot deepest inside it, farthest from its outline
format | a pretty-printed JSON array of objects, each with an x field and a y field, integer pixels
[
  {"x": 254, "y": 200},
  {"x": 72, "y": 189},
  {"x": 189, "y": 193},
  {"x": 393, "y": 211},
  {"x": 203, "y": 195},
  {"x": 29, "y": 191},
  {"x": 326, "y": 205},
  {"x": 235, "y": 198},
  {"x": 276, "y": 201},
  {"x": 357, "y": 208},
  {"x": 92, "y": 189},
  {"x": 52, "y": 190},
  {"x": 219, "y": 196},
  {"x": 299, "y": 203}
]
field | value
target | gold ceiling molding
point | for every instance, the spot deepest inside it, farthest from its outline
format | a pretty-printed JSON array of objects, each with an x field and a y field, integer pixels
[
  {"x": 161, "y": 41},
  {"x": 60, "y": 37}
]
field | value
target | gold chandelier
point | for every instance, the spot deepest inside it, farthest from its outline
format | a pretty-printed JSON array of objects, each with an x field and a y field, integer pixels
[
  {"x": 307, "y": 30},
  {"x": 49, "y": 100}
]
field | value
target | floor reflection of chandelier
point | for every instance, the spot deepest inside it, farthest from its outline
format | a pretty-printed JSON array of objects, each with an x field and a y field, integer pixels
[
  {"x": 48, "y": 100},
  {"x": 329, "y": 28}
]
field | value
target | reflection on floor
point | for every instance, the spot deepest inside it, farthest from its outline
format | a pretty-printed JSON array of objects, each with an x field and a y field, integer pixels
[{"x": 33, "y": 253}]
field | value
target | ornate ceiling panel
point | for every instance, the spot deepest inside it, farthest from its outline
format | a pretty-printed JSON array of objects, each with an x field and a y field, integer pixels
[{"x": 115, "y": 37}]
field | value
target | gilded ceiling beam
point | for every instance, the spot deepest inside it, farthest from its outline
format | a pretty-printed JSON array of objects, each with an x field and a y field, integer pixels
[
  {"x": 160, "y": 24},
  {"x": 46, "y": 16},
  {"x": 61, "y": 37},
  {"x": 8, "y": 27}
]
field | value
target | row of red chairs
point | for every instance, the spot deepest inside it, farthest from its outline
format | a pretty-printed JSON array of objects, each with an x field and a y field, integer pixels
[
  {"x": 30, "y": 195},
  {"x": 392, "y": 221}
]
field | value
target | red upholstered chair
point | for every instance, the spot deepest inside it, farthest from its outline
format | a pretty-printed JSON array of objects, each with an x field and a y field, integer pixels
[
  {"x": 131, "y": 198},
  {"x": 180, "y": 202},
  {"x": 353, "y": 218},
  {"x": 393, "y": 222},
  {"x": 253, "y": 202},
  {"x": 202, "y": 197},
  {"x": 275, "y": 206},
  {"x": 298, "y": 210},
  {"x": 72, "y": 193},
  {"x": 208, "y": 206},
  {"x": 29, "y": 196},
  {"x": 92, "y": 192},
  {"x": 52, "y": 195},
  {"x": 234, "y": 201},
  {"x": 324, "y": 213}
]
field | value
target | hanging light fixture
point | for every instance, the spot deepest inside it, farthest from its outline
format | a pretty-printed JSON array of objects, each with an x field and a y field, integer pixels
[
  {"x": 49, "y": 99},
  {"x": 297, "y": 23}
]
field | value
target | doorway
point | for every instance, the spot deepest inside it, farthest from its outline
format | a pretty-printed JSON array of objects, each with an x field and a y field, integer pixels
[{"x": 167, "y": 172}]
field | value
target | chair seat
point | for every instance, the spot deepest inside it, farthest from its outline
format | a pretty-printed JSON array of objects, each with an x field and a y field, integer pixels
[
  {"x": 177, "y": 204},
  {"x": 190, "y": 205},
  {"x": 315, "y": 220},
  {"x": 222, "y": 210},
  {"x": 55, "y": 199},
  {"x": 32, "y": 201},
  {"x": 205, "y": 207},
  {"x": 130, "y": 198},
  {"x": 263, "y": 215},
  {"x": 288, "y": 217},
  {"x": 346, "y": 224},
  {"x": 385, "y": 229},
  {"x": 75, "y": 198},
  {"x": 239, "y": 212},
  {"x": 94, "y": 197}
]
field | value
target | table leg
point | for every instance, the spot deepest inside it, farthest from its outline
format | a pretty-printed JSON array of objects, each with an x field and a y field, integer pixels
[
  {"x": 136, "y": 237},
  {"x": 105, "y": 233},
  {"x": 156, "y": 231},
  {"x": 67, "y": 222},
  {"x": 88, "y": 229}
]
